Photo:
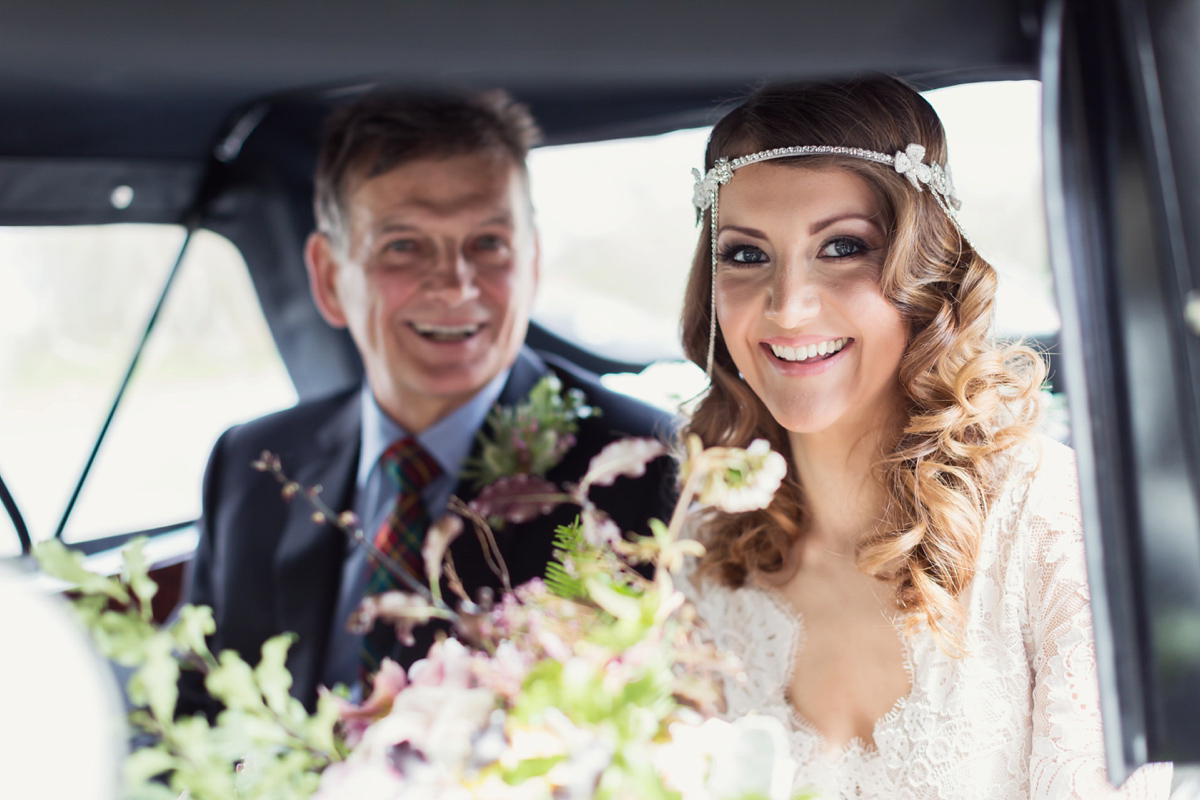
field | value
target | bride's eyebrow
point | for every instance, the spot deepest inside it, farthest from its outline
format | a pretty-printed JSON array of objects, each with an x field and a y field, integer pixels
[
  {"x": 755, "y": 232},
  {"x": 821, "y": 225}
]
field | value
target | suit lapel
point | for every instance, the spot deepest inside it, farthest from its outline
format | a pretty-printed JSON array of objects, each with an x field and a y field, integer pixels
[
  {"x": 466, "y": 551},
  {"x": 527, "y": 370},
  {"x": 309, "y": 560}
]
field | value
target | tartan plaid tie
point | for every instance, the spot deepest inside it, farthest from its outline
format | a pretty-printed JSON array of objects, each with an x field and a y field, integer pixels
[{"x": 400, "y": 536}]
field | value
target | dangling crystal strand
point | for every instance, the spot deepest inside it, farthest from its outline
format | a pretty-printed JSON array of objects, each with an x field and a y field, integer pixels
[{"x": 712, "y": 300}]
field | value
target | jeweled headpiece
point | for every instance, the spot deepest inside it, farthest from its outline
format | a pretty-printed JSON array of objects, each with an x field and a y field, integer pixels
[{"x": 908, "y": 162}]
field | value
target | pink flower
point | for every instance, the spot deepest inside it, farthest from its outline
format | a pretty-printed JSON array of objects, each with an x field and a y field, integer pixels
[
  {"x": 405, "y": 611},
  {"x": 504, "y": 671},
  {"x": 626, "y": 457},
  {"x": 599, "y": 530},
  {"x": 448, "y": 663},
  {"x": 389, "y": 682},
  {"x": 518, "y": 498},
  {"x": 531, "y": 591}
]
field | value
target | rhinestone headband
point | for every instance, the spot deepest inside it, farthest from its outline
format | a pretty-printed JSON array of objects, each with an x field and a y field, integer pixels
[{"x": 907, "y": 162}]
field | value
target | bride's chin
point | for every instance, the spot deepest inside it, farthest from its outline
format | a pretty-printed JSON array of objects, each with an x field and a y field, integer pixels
[{"x": 803, "y": 420}]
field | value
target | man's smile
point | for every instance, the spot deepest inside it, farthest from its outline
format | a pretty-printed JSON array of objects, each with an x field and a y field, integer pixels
[{"x": 446, "y": 333}]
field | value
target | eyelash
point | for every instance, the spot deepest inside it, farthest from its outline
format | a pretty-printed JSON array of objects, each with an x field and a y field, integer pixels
[
  {"x": 401, "y": 246},
  {"x": 862, "y": 248},
  {"x": 728, "y": 254}
]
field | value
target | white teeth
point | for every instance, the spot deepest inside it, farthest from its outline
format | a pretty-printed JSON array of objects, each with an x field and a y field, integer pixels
[
  {"x": 809, "y": 352},
  {"x": 447, "y": 331}
]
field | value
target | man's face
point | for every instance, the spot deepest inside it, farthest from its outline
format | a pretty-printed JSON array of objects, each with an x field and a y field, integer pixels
[{"x": 434, "y": 279}]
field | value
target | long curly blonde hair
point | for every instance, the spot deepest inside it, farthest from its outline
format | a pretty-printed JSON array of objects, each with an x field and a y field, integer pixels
[{"x": 967, "y": 399}]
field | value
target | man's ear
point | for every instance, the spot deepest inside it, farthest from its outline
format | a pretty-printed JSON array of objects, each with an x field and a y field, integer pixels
[
  {"x": 323, "y": 267},
  {"x": 537, "y": 258}
]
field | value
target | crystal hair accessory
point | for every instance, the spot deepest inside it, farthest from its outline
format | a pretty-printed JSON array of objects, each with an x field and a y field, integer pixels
[{"x": 908, "y": 162}]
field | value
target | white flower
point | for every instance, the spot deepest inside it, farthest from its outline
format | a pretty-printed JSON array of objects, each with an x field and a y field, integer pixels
[
  {"x": 908, "y": 163},
  {"x": 437, "y": 721},
  {"x": 599, "y": 530},
  {"x": 719, "y": 759},
  {"x": 448, "y": 663},
  {"x": 360, "y": 780},
  {"x": 733, "y": 479}
]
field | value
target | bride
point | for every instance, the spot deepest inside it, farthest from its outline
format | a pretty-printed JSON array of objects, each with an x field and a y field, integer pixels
[{"x": 913, "y": 604}]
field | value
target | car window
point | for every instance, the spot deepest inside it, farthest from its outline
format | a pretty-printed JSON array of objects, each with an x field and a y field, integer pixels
[
  {"x": 618, "y": 230},
  {"x": 77, "y": 302},
  {"x": 994, "y": 133}
]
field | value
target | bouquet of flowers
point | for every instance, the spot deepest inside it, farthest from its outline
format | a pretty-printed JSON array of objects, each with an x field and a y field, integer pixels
[{"x": 594, "y": 682}]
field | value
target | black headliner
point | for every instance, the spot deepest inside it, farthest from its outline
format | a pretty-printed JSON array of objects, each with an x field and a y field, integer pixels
[
  {"x": 97, "y": 95},
  {"x": 151, "y": 79}
]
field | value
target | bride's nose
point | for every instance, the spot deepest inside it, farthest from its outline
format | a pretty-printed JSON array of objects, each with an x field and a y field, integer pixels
[{"x": 794, "y": 296}]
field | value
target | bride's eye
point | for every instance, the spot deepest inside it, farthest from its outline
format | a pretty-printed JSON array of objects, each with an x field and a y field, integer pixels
[
  {"x": 742, "y": 254},
  {"x": 844, "y": 247}
]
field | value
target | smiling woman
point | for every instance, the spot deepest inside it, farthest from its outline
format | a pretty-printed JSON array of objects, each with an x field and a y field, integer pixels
[
  {"x": 800, "y": 255},
  {"x": 917, "y": 586},
  {"x": 613, "y": 230}
]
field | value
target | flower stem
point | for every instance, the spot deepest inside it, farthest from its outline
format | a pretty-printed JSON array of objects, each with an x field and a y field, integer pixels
[{"x": 271, "y": 463}]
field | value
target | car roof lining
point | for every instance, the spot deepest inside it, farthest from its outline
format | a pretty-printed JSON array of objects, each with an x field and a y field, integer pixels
[
  {"x": 142, "y": 79},
  {"x": 137, "y": 92}
]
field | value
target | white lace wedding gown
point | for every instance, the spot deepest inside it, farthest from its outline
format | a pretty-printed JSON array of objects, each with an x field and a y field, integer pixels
[{"x": 1017, "y": 717}]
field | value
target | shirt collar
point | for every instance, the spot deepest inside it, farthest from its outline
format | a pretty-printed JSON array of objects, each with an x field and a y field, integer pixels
[{"x": 449, "y": 440}]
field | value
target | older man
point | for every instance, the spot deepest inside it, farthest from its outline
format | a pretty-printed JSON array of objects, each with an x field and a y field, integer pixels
[{"x": 426, "y": 251}]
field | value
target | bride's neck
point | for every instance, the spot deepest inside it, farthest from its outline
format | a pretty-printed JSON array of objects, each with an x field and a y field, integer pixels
[{"x": 843, "y": 498}]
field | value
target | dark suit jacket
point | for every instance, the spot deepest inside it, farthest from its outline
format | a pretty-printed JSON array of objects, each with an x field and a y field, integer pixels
[{"x": 265, "y": 567}]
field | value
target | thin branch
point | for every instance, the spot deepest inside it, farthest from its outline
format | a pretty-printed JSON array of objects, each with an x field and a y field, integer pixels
[
  {"x": 456, "y": 584},
  {"x": 269, "y": 462},
  {"x": 487, "y": 540}
]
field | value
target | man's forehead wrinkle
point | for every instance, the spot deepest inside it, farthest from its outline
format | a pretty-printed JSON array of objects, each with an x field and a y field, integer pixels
[
  {"x": 472, "y": 190},
  {"x": 410, "y": 214},
  {"x": 383, "y": 159},
  {"x": 484, "y": 201}
]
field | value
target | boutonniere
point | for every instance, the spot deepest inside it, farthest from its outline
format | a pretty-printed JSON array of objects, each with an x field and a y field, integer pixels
[{"x": 529, "y": 438}]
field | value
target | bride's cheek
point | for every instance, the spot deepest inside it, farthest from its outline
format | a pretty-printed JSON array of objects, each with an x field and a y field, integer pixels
[{"x": 737, "y": 296}]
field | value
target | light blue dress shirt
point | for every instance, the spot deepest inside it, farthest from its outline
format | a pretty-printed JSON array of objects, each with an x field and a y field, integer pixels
[{"x": 449, "y": 441}]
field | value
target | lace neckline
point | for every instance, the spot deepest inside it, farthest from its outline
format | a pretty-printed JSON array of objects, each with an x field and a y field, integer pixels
[
  {"x": 855, "y": 747},
  {"x": 1017, "y": 716}
]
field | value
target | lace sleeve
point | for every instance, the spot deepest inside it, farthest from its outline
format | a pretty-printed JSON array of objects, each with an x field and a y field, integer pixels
[{"x": 1067, "y": 758}]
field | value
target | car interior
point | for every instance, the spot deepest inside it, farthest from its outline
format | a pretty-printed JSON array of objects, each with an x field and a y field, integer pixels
[{"x": 156, "y": 169}]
